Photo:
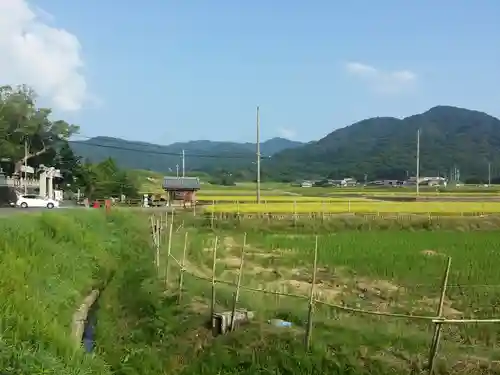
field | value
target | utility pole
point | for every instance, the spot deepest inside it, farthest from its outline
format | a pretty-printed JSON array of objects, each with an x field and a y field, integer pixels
[
  {"x": 183, "y": 164},
  {"x": 25, "y": 165},
  {"x": 418, "y": 162},
  {"x": 489, "y": 173},
  {"x": 177, "y": 169},
  {"x": 258, "y": 156}
]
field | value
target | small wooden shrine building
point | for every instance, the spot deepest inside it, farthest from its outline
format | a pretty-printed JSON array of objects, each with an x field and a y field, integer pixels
[{"x": 181, "y": 188}]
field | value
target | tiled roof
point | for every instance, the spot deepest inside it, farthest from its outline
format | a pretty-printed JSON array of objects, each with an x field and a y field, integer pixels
[{"x": 188, "y": 183}]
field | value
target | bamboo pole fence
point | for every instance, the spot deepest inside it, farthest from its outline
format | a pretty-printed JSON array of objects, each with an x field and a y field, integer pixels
[{"x": 438, "y": 320}]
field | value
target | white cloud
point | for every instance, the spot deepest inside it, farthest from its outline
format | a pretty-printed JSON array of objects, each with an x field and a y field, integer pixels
[
  {"x": 39, "y": 55},
  {"x": 388, "y": 82},
  {"x": 287, "y": 133}
]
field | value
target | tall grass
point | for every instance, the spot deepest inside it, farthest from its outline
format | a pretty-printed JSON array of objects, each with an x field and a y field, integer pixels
[{"x": 48, "y": 263}]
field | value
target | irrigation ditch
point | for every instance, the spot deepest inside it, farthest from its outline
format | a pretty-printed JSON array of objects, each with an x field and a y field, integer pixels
[{"x": 84, "y": 321}]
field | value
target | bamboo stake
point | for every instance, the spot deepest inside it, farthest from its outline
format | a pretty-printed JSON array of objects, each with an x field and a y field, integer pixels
[
  {"x": 437, "y": 328},
  {"x": 213, "y": 214},
  {"x": 214, "y": 263},
  {"x": 169, "y": 251},
  {"x": 311, "y": 298},
  {"x": 158, "y": 231},
  {"x": 153, "y": 234},
  {"x": 465, "y": 321},
  {"x": 183, "y": 268},
  {"x": 238, "y": 285},
  {"x": 162, "y": 231},
  {"x": 157, "y": 244},
  {"x": 294, "y": 212}
]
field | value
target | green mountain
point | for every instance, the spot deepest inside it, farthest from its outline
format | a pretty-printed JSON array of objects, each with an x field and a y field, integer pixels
[
  {"x": 385, "y": 147},
  {"x": 201, "y": 155}
]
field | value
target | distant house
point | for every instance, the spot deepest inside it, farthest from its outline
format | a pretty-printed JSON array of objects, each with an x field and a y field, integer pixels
[
  {"x": 427, "y": 181},
  {"x": 345, "y": 182},
  {"x": 306, "y": 184}
]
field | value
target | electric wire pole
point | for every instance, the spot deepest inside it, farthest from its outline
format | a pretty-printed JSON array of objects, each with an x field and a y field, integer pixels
[
  {"x": 183, "y": 164},
  {"x": 258, "y": 156},
  {"x": 489, "y": 173},
  {"x": 418, "y": 162},
  {"x": 25, "y": 165}
]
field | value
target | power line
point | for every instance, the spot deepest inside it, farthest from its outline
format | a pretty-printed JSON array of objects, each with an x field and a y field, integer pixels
[{"x": 165, "y": 153}]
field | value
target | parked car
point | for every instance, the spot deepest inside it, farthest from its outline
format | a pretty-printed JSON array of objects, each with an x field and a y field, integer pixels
[{"x": 29, "y": 200}]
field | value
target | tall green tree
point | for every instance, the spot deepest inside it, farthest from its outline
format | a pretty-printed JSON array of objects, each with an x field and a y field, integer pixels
[
  {"x": 22, "y": 123},
  {"x": 69, "y": 164},
  {"x": 105, "y": 180}
]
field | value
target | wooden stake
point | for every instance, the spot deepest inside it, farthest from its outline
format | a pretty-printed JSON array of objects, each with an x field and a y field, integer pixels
[
  {"x": 311, "y": 298},
  {"x": 169, "y": 251},
  {"x": 183, "y": 267},
  {"x": 238, "y": 285},
  {"x": 437, "y": 328},
  {"x": 214, "y": 263}
]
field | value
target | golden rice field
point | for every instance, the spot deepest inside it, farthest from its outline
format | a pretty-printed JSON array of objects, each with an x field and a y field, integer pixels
[
  {"x": 359, "y": 206},
  {"x": 273, "y": 198},
  {"x": 319, "y": 194}
]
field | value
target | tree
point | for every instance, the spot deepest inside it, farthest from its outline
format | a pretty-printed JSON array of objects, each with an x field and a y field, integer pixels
[
  {"x": 68, "y": 163},
  {"x": 106, "y": 180},
  {"x": 22, "y": 122}
]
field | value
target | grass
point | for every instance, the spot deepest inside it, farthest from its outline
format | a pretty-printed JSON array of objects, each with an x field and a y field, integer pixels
[{"x": 358, "y": 206}]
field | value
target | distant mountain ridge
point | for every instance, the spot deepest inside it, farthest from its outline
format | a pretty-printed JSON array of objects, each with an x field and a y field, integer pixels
[
  {"x": 385, "y": 147},
  {"x": 452, "y": 139},
  {"x": 200, "y": 155}
]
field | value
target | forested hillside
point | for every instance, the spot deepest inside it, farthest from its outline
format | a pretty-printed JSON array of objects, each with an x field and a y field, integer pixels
[
  {"x": 201, "y": 155},
  {"x": 385, "y": 147}
]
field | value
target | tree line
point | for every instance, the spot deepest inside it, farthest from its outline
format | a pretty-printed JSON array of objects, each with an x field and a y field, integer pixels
[{"x": 29, "y": 135}]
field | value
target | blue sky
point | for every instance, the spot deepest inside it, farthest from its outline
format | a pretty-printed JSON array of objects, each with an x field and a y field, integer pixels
[{"x": 166, "y": 71}]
